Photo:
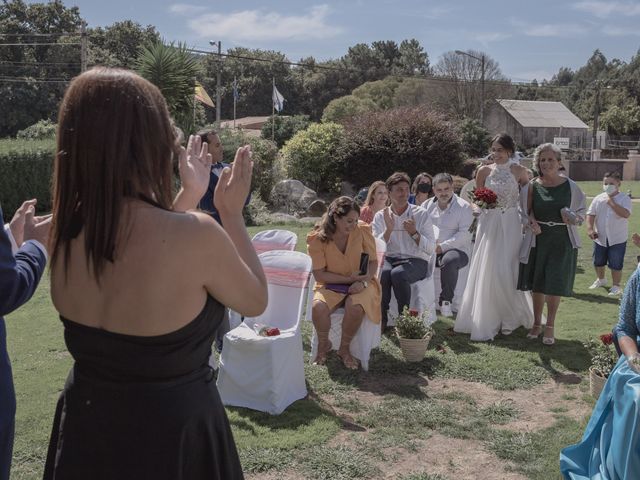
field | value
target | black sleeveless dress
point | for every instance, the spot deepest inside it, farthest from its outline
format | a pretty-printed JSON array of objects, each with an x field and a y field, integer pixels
[{"x": 142, "y": 407}]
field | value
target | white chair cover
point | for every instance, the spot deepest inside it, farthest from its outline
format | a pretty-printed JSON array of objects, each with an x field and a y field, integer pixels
[
  {"x": 368, "y": 335},
  {"x": 267, "y": 373},
  {"x": 423, "y": 297},
  {"x": 266, "y": 241}
]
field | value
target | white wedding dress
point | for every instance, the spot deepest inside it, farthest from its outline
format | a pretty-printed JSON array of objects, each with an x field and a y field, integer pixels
[{"x": 491, "y": 302}]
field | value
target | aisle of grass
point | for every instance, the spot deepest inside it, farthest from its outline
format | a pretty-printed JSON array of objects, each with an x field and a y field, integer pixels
[{"x": 299, "y": 440}]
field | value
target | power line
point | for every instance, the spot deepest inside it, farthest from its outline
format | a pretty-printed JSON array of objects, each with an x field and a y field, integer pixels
[
  {"x": 39, "y": 34},
  {"x": 31, "y": 80},
  {"x": 10, "y": 62},
  {"x": 35, "y": 44}
]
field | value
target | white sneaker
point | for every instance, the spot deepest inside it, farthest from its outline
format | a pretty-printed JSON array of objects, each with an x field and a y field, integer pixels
[
  {"x": 445, "y": 309},
  {"x": 615, "y": 291},
  {"x": 598, "y": 283}
]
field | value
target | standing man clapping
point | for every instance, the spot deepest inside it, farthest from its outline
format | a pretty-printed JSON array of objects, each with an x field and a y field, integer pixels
[{"x": 23, "y": 256}]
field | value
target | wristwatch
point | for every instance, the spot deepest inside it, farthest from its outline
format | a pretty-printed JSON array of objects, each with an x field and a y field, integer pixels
[
  {"x": 365, "y": 284},
  {"x": 415, "y": 236}
]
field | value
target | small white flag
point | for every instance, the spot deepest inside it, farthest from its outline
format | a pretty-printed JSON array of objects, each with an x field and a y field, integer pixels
[{"x": 278, "y": 99}]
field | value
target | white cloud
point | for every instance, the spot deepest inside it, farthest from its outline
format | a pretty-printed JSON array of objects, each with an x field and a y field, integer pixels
[
  {"x": 487, "y": 38},
  {"x": 555, "y": 30},
  {"x": 435, "y": 13},
  {"x": 616, "y": 31},
  {"x": 255, "y": 25},
  {"x": 602, "y": 9},
  {"x": 186, "y": 9}
]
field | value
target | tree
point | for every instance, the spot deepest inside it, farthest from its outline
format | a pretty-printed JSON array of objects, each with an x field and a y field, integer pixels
[
  {"x": 462, "y": 92},
  {"x": 119, "y": 45},
  {"x": 380, "y": 92},
  {"x": 41, "y": 70},
  {"x": 475, "y": 137},
  {"x": 173, "y": 70},
  {"x": 346, "y": 107},
  {"x": 310, "y": 156},
  {"x": 284, "y": 127}
]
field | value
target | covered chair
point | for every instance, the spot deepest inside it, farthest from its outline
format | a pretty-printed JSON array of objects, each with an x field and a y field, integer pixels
[
  {"x": 267, "y": 373},
  {"x": 368, "y": 336},
  {"x": 268, "y": 240}
]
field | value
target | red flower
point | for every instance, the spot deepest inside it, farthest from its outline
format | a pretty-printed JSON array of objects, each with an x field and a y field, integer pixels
[
  {"x": 485, "y": 195},
  {"x": 607, "y": 338},
  {"x": 273, "y": 332},
  {"x": 413, "y": 313}
]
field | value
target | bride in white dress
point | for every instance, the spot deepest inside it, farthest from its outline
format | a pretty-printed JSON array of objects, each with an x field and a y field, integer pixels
[{"x": 491, "y": 303}]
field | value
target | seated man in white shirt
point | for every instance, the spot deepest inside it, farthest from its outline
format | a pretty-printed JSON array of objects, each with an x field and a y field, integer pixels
[
  {"x": 451, "y": 217},
  {"x": 410, "y": 239},
  {"x": 608, "y": 227}
]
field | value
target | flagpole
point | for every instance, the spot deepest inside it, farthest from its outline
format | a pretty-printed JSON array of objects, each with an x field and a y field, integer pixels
[
  {"x": 235, "y": 94},
  {"x": 195, "y": 84},
  {"x": 273, "y": 112}
]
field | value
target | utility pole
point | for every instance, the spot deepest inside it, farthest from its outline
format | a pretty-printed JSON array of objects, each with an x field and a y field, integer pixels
[
  {"x": 218, "y": 80},
  {"x": 83, "y": 47},
  {"x": 596, "y": 113}
]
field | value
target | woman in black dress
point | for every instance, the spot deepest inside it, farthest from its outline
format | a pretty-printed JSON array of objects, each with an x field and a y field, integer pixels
[{"x": 140, "y": 283}]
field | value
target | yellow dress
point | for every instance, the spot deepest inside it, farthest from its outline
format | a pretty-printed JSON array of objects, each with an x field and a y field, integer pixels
[{"x": 328, "y": 256}]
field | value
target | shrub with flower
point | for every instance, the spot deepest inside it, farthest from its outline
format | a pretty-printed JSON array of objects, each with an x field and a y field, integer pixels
[
  {"x": 603, "y": 354},
  {"x": 411, "y": 324}
]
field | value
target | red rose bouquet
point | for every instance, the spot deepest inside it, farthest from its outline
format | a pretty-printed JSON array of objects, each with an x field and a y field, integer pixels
[{"x": 484, "y": 198}]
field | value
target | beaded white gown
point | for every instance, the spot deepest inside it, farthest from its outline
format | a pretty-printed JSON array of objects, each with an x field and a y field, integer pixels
[{"x": 491, "y": 302}]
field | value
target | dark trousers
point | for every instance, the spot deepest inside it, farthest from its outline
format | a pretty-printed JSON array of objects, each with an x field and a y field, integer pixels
[
  {"x": 7, "y": 407},
  {"x": 399, "y": 274},
  {"x": 450, "y": 262}
]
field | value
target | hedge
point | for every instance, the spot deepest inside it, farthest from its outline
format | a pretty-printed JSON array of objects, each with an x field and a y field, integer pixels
[
  {"x": 26, "y": 168},
  {"x": 412, "y": 140}
]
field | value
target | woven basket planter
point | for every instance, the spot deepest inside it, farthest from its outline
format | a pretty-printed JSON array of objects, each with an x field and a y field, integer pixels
[
  {"x": 413, "y": 349},
  {"x": 596, "y": 383}
]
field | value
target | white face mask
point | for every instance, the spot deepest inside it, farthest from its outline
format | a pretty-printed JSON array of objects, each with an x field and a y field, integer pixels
[{"x": 609, "y": 189}]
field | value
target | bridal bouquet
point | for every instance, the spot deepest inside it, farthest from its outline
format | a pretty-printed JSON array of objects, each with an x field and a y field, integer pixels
[{"x": 484, "y": 198}]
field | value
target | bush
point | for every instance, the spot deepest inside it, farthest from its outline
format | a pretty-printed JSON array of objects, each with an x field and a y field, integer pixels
[
  {"x": 284, "y": 128},
  {"x": 475, "y": 138},
  {"x": 264, "y": 156},
  {"x": 25, "y": 172},
  {"x": 311, "y": 156},
  {"x": 256, "y": 212},
  {"x": 412, "y": 140},
  {"x": 343, "y": 108},
  {"x": 44, "y": 129}
]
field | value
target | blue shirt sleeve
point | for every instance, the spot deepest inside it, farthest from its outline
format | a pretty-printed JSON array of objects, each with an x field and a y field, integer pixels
[
  {"x": 19, "y": 274},
  {"x": 628, "y": 322}
]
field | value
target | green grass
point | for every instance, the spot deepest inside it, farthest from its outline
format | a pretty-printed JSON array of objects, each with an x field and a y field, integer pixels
[
  {"x": 593, "y": 188},
  {"x": 404, "y": 412}
]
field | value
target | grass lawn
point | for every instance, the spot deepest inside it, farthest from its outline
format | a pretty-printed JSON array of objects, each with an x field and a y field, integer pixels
[{"x": 499, "y": 410}]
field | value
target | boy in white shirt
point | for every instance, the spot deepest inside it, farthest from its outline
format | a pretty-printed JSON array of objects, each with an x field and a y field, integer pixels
[{"x": 608, "y": 227}]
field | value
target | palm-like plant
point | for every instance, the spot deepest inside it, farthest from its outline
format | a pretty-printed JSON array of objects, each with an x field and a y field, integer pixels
[{"x": 173, "y": 69}]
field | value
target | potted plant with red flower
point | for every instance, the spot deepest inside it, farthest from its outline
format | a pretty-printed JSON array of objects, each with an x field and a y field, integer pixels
[
  {"x": 414, "y": 333},
  {"x": 603, "y": 359}
]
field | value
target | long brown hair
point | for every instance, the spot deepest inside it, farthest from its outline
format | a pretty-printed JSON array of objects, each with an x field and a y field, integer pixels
[
  {"x": 372, "y": 191},
  {"x": 114, "y": 142},
  {"x": 340, "y": 207}
]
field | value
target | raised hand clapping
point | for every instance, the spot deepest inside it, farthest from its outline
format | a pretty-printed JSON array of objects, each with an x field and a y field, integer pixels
[{"x": 234, "y": 184}]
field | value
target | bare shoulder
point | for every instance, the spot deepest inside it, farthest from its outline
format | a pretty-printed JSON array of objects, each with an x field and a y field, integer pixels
[
  {"x": 518, "y": 169},
  {"x": 196, "y": 230},
  {"x": 483, "y": 171}
]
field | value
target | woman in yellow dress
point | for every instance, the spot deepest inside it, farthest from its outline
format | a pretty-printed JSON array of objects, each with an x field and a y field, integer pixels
[{"x": 336, "y": 245}]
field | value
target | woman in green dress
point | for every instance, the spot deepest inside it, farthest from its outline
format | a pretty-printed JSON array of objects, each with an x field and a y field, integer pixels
[{"x": 555, "y": 205}]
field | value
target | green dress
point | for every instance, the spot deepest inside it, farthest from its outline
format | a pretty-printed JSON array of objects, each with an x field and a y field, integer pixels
[{"x": 552, "y": 262}]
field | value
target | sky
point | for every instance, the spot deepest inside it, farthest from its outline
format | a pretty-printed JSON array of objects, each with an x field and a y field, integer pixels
[{"x": 531, "y": 39}]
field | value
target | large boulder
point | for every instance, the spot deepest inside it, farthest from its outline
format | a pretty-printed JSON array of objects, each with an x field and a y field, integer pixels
[
  {"x": 292, "y": 196},
  {"x": 316, "y": 209}
]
